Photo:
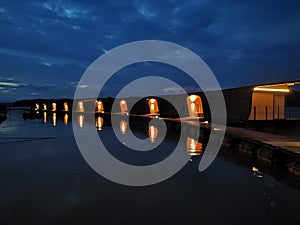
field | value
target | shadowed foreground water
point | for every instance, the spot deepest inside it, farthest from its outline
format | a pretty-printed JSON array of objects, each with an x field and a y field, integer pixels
[{"x": 44, "y": 180}]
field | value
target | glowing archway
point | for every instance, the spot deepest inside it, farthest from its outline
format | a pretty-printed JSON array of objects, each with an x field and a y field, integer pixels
[
  {"x": 66, "y": 107},
  {"x": 53, "y": 107},
  {"x": 123, "y": 106},
  {"x": 153, "y": 106},
  {"x": 80, "y": 106},
  {"x": 195, "y": 107},
  {"x": 99, "y": 106}
]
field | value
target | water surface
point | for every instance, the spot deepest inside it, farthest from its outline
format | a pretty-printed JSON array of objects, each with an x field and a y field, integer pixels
[{"x": 45, "y": 180}]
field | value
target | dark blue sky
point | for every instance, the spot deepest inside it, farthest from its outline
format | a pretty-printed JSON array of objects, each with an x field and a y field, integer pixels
[{"x": 45, "y": 46}]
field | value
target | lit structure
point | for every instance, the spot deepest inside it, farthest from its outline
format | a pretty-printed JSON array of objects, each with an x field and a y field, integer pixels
[
  {"x": 53, "y": 106},
  {"x": 37, "y": 107},
  {"x": 66, "y": 107},
  {"x": 195, "y": 107},
  {"x": 99, "y": 123},
  {"x": 153, "y": 106},
  {"x": 193, "y": 147},
  {"x": 99, "y": 106},
  {"x": 123, "y": 106},
  {"x": 268, "y": 101},
  {"x": 44, "y": 107},
  {"x": 80, "y": 106}
]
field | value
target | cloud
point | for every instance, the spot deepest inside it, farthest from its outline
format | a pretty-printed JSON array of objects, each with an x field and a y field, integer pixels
[{"x": 243, "y": 42}]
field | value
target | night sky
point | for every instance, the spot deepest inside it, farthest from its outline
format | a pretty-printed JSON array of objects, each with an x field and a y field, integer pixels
[{"x": 45, "y": 46}]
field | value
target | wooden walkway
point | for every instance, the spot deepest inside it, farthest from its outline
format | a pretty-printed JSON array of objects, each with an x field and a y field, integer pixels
[
  {"x": 277, "y": 141},
  {"x": 285, "y": 143}
]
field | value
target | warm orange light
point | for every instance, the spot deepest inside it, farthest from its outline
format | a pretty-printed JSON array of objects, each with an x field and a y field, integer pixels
[
  {"x": 37, "y": 107},
  {"x": 53, "y": 106},
  {"x": 54, "y": 119},
  {"x": 123, "y": 106},
  {"x": 152, "y": 133},
  {"x": 153, "y": 106},
  {"x": 152, "y": 100},
  {"x": 193, "y": 98},
  {"x": 271, "y": 89},
  {"x": 45, "y": 117},
  {"x": 80, "y": 106},
  {"x": 99, "y": 106},
  {"x": 66, "y": 118},
  {"x": 66, "y": 107},
  {"x": 99, "y": 123},
  {"x": 45, "y": 107},
  {"x": 194, "y": 147},
  {"x": 123, "y": 126},
  {"x": 81, "y": 121}
]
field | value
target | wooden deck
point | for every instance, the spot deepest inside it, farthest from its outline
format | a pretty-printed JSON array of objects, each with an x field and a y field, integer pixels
[
  {"x": 284, "y": 143},
  {"x": 277, "y": 141}
]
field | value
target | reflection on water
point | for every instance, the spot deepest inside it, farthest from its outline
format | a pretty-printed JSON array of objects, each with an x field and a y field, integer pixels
[
  {"x": 54, "y": 119},
  {"x": 99, "y": 123},
  {"x": 81, "y": 120},
  {"x": 193, "y": 147},
  {"x": 256, "y": 172},
  {"x": 45, "y": 117},
  {"x": 46, "y": 181},
  {"x": 66, "y": 118},
  {"x": 123, "y": 126},
  {"x": 152, "y": 133}
]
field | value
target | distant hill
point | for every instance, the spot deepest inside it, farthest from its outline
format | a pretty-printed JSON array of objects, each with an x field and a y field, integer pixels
[
  {"x": 3, "y": 110},
  {"x": 293, "y": 99}
]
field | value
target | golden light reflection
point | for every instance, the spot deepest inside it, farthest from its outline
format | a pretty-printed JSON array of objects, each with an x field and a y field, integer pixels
[
  {"x": 81, "y": 120},
  {"x": 123, "y": 126},
  {"x": 152, "y": 133},
  {"x": 193, "y": 147},
  {"x": 256, "y": 172},
  {"x": 99, "y": 123},
  {"x": 80, "y": 106},
  {"x": 54, "y": 119},
  {"x": 66, "y": 107},
  {"x": 53, "y": 107},
  {"x": 99, "y": 106},
  {"x": 45, "y": 107},
  {"x": 45, "y": 117},
  {"x": 66, "y": 118}
]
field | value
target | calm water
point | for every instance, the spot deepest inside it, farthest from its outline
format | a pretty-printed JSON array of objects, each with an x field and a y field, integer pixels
[{"x": 44, "y": 180}]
